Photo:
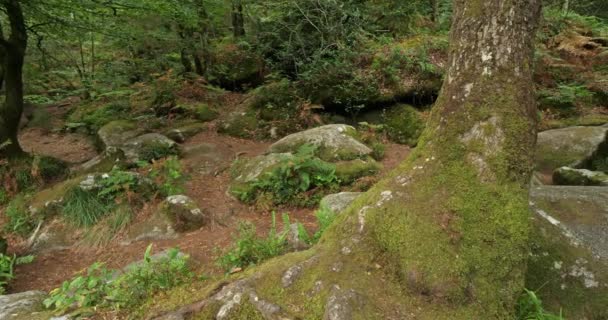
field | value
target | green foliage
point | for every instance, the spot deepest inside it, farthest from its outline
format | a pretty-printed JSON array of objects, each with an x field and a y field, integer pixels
[
  {"x": 95, "y": 117},
  {"x": 49, "y": 168},
  {"x": 168, "y": 176},
  {"x": 20, "y": 221},
  {"x": 234, "y": 66},
  {"x": 290, "y": 179},
  {"x": 105, "y": 288},
  {"x": 325, "y": 217},
  {"x": 565, "y": 98},
  {"x": 157, "y": 150},
  {"x": 83, "y": 208},
  {"x": 7, "y": 265},
  {"x": 404, "y": 124},
  {"x": 249, "y": 249},
  {"x": 530, "y": 307}
]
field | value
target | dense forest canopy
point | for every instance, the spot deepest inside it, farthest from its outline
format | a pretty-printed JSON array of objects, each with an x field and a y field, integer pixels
[{"x": 304, "y": 159}]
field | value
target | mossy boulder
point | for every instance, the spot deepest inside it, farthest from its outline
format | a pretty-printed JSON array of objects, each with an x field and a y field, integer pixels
[
  {"x": 184, "y": 213},
  {"x": 334, "y": 142},
  {"x": 579, "y": 177},
  {"x": 235, "y": 66},
  {"x": 183, "y": 132},
  {"x": 147, "y": 147},
  {"x": 54, "y": 235},
  {"x": 103, "y": 162},
  {"x": 239, "y": 124},
  {"x": 338, "y": 202},
  {"x": 21, "y": 305},
  {"x": 568, "y": 264},
  {"x": 404, "y": 124},
  {"x": 202, "y": 111},
  {"x": 570, "y": 147},
  {"x": 116, "y": 133},
  {"x": 349, "y": 171},
  {"x": 246, "y": 171}
]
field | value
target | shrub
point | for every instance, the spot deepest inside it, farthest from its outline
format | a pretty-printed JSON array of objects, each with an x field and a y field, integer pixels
[
  {"x": 325, "y": 217},
  {"x": 404, "y": 124},
  {"x": 20, "y": 221},
  {"x": 530, "y": 307},
  {"x": 565, "y": 98},
  {"x": 105, "y": 288},
  {"x": 249, "y": 249},
  {"x": 291, "y": 178},
  {"x": 167, "y": 175},
  {"x": 156, "y": 150},
  {"x": 7, "y": 265}
]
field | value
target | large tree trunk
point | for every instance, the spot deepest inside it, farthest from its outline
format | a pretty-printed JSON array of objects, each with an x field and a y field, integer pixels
[
  {"x": 445, "y": 235},
  {"x": 13, "y": 53}
]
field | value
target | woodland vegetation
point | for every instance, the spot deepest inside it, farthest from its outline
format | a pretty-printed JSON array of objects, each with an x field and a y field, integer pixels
[{"x": 304, "y": 159}]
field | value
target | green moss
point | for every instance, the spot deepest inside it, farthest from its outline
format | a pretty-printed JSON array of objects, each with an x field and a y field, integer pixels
[
  {"x": 349, "y": 171},
  {"x": 404, "y": 124},
  {"x": 240, "y": 125}
]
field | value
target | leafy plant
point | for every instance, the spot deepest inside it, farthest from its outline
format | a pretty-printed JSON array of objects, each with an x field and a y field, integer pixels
[
  {"x": 292, "y": 178},
  {"x": 84, "y": 208},
  {"x": 20, "y": 221},
  {"x": 102, "y": 287},
  {"x": 167, "y": 174},
  {"x": 249, "y": 249},
  {"x": 325, "y": 217},
  {"x": 530, "y": 307},
  {"x": 7, "y": 266}
]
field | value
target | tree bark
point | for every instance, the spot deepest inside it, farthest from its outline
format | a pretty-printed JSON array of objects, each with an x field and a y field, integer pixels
[
  {"x": 435, "y": 11},
  {"x": 13, "y": 53},
  {"x": 238, "y": 21},
  {"x": 444, "y": 236}
]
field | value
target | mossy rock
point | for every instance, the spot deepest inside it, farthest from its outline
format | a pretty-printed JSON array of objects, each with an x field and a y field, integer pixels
[
  {"x": 568, "y": 265},
  {"x": 23, "y": 305},
  {"x": 349, "y": 171},
  {"x": 202, "y": 111},
  {"x": 235, "y": 67},
  {"x": 566, "y": 176},
  {"x": 338, "y": 202},
  {"x": 182, "y": 133},
  {"x": 246, "y": 171},
  {"x": 404, "y": 124},
  {"x": 570, "y": 147},
  {"x": 148, "y": 147},
  {"x": 239, "y": 125},
  {"x": 116, "y": 133},
  {"x": 105, "y": 162},
  {"x": 334, "y": 142},
  {"x": 184, "y": 213}
]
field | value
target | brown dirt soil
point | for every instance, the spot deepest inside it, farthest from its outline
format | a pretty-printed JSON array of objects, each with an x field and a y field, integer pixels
[
  {"x": 49, "y": 270},
  {"x": 69, "y": 147}
]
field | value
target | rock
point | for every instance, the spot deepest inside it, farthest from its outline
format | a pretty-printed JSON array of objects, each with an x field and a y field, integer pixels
[
  {"x": 294, "y": 242},
  {"x": 335, "y": 142},
  {"x": 245, "y": 171},
  {"x": 21, "y": 305},
  {"x": 52, "y": 236},
  {"x": 184, "y": 213},
  {"x": 239, "y": 124},
  {"x": 338, "y": 202},
  {"x": 569, "y": 250},
  {"x": 104, "y": 162},
  {"x": 207, "y": 158},
  {"x": 340, "y": 304},
  {"x": 182, "y": 133},
  {"x": 404, "y": 124},
  {"x": 349, "y": 171},
  {"x": 155, "y": 258},
  {"x": 570, "y": 147},
  {"x": 115, "y": 133},
  {"x": 579, "y": 177},
  {"x": 148, "y": 147},
  {"x": 157, "y": 227}
]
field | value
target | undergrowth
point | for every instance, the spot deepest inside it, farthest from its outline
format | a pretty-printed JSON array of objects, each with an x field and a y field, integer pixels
[
  {"x": 7, "y": 268},
  {"x": 114, "y": 289},
  {"x": 530, "y": 307}
]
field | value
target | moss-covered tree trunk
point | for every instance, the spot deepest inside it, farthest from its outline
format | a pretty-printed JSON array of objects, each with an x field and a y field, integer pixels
[
  {"x": 445, "y": 235},
  {"x": 13, "y": 55}
]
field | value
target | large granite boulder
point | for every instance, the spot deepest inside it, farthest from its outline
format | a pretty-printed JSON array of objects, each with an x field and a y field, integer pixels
[
  {"x": 567, "y": 176},
  {"x": 246, "y": 171},
  {"x": 335, "y": 142},
  {"x": 184, "y": 213},
  {"x": 570, "y": 147},
  {"x": 115, "y": 133},
  {"x": 568, "y": 263},
  {"x": 183, "y": 132},
  {"x": 148, "y": 147},
  {"x": 24, "y": 305},
  {"x": 338, "y": 202}
]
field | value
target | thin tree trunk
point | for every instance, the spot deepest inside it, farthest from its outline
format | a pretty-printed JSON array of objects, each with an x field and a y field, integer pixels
[
  {"x": 14, "y": 54},
  {"x": 566, "y": 7},
  {"x": 238, "y": 22},
  {"x": 435, "y": 11},
  {"x": 184, "y": 57},
  {"x": 443, "y": 236}
]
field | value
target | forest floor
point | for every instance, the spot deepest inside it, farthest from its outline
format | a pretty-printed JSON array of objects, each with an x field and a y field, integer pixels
[{"x": 204, "y": 246}]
